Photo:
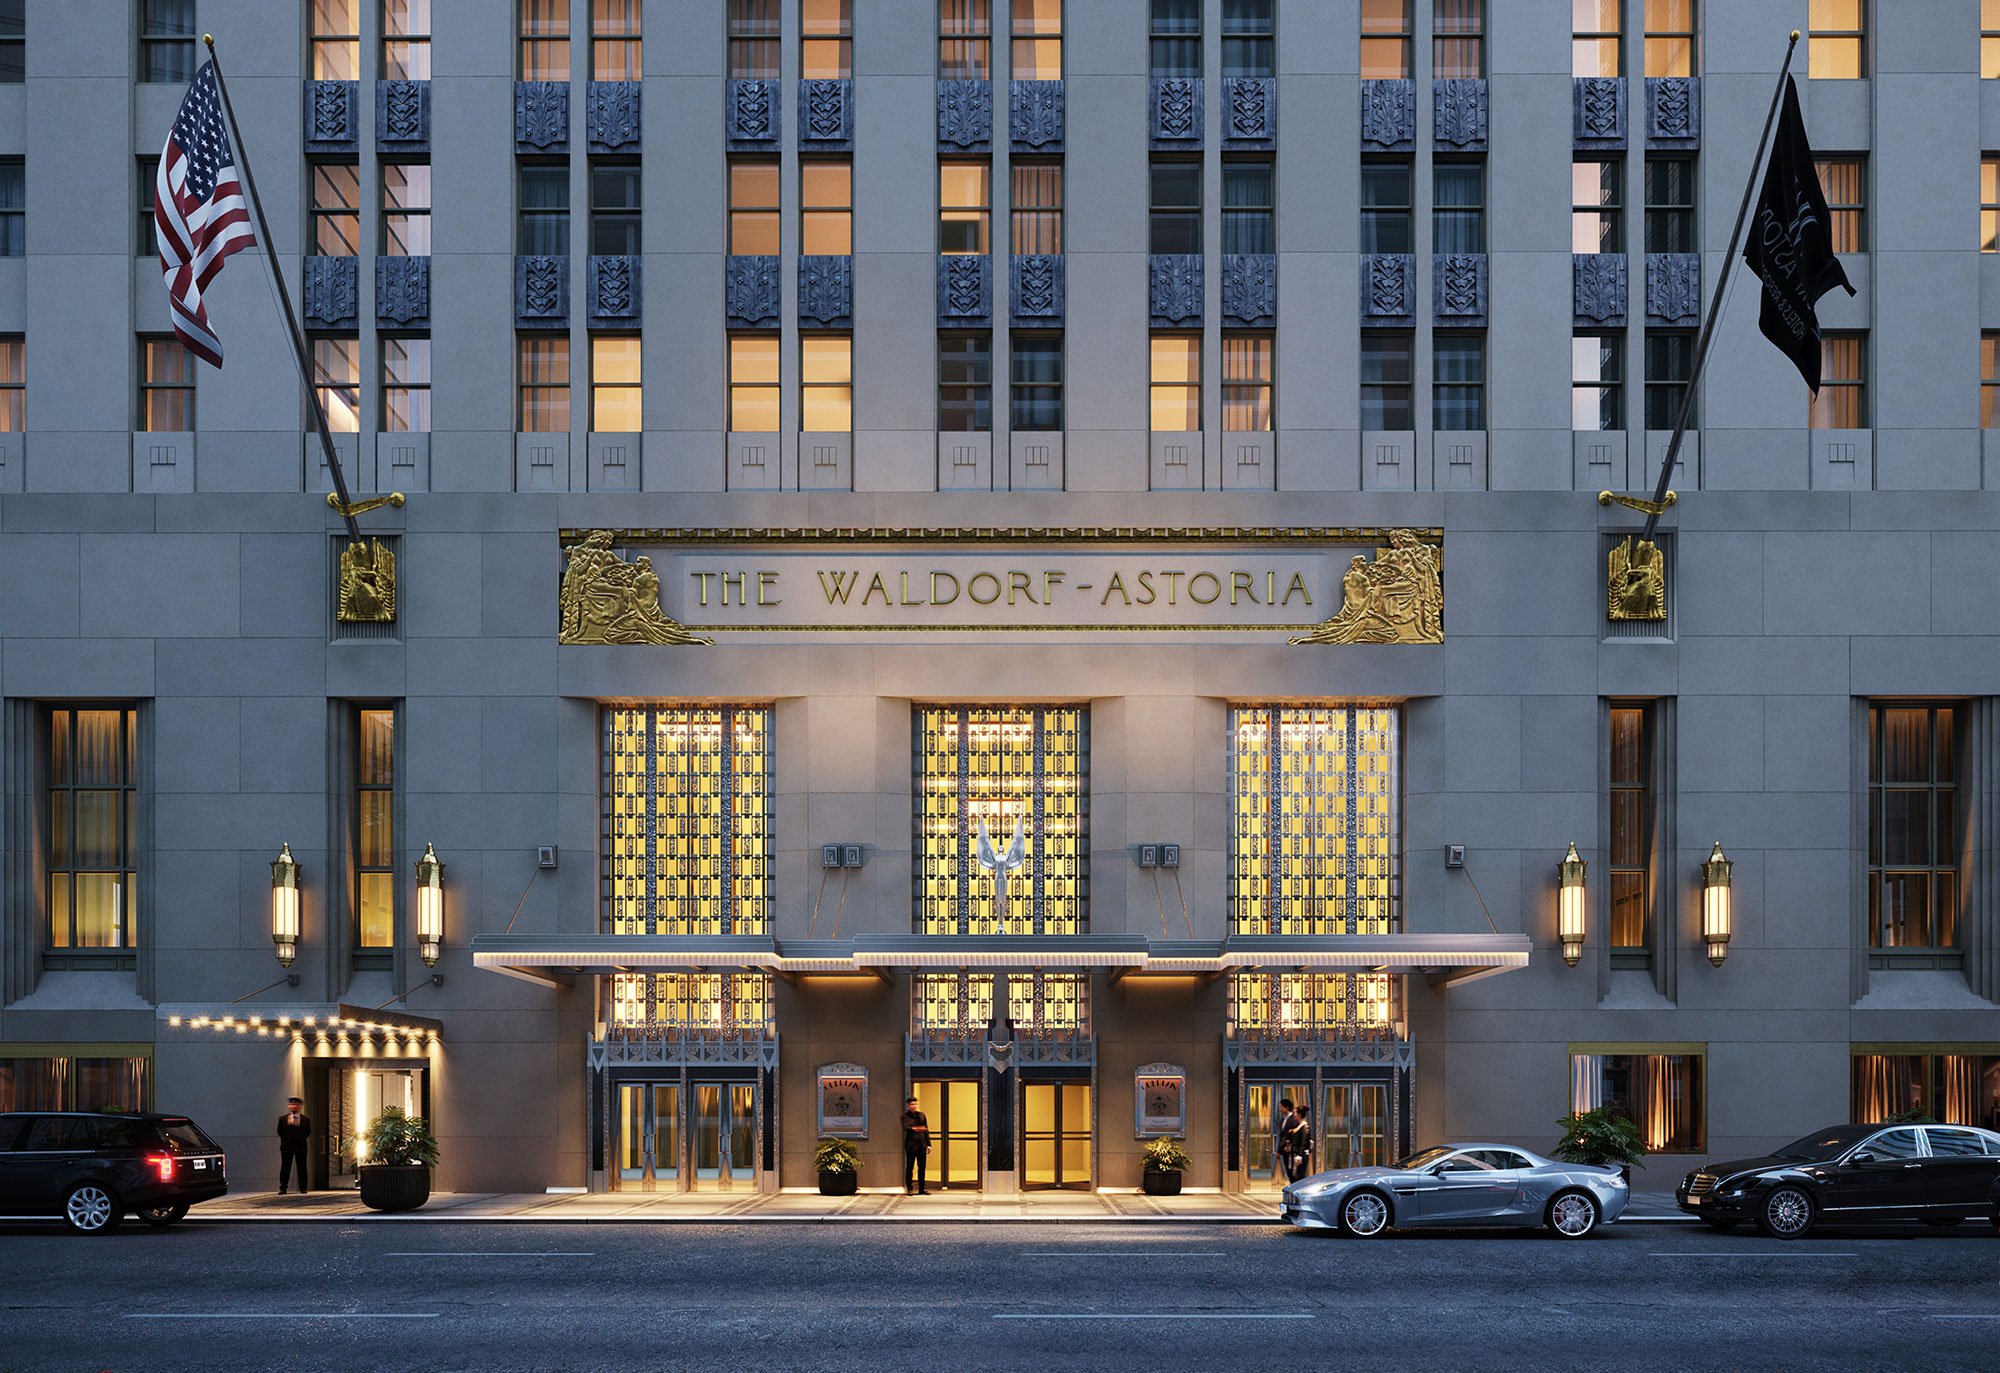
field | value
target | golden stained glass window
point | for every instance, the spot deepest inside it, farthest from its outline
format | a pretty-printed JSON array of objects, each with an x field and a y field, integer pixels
[
  {"x": 1311, "y": 1004},
  {"x": 954, "y": 1002},
  {"x": 1004, "y": 767},
  {"x": 691, "y": 1002},
  {"x": 1316, "y": 809},
  {"x": 687, "y": 820}
]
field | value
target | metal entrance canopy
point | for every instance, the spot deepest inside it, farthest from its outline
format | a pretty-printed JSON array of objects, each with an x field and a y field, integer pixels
[{"x": 297, "y": 1021}]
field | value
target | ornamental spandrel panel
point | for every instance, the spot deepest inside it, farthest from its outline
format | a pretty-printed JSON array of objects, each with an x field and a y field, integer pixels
[
  {"x": 332, "y": 117},
  {"x": 1598, "y": 283},
  {"x": 826, "y": 291},
  {"x": 1396, "y": 599},
  {"x": 541, "y": 116},
  {"x": 1249, "y": 112},
  {"x": 1673, "y": 112},
  {"x": 750, "y": 115},
  {"x": 402, "y": 117},
  {"x": 608, "y": 600},
  {"x": 1173, "y": 111},
  {"x": 1174, "y": 289},
  {"x": 1035, "y": 116},
  {"x": 826, "y": 116},
  {"x": 330, "y": 296},
  {"x": 541, "y": 292},
  {"x": 1597, "y": 111},
  {"x": 1250, "y": 288},
  {"x": 1388, "y": 288},
  {"x": 611, "y": 116},
  {"x": 1458, "y": 113},
  {"x": 1388, "y": 116},
  {"x": 1458, "y": 288},
  {"x": 750, "y": 289},
  {"x": 965, "y": 116},
  {"x": 964, "y": 289},
  {"x": 1036, "y": 288},
  {"x": 612, "y": 292},
  {"x": 403, "y": 292},
  {"x": 1673, "y": 288}
]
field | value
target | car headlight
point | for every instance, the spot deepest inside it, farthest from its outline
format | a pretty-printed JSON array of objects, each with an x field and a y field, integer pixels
[{"x": 1313, "y": 1189}]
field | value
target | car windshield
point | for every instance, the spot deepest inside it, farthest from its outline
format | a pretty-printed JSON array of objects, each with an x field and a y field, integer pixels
[
  {"x": 183, "y": 1136},
  {"x": 1827, "y": 1141},
  {"x": 1423, "y": 1158}
]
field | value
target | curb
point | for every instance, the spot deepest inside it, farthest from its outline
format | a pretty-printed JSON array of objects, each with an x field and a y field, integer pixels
[{"x": 520, "y": 1218}]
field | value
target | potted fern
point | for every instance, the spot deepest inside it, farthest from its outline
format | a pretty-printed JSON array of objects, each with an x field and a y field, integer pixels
[
  {"x": 1165, "y": 1161},
  {"x": 1605, "y": 1136},
  {"x": 839, "y": 1165},
  {"x": 400, "y": 1153}
]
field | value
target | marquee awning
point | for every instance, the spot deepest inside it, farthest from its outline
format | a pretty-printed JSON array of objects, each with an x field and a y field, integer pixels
[{"x": 296, "y": 1021}]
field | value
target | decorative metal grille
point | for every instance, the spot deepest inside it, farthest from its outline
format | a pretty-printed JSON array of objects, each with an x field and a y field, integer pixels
[
  {"x": 1314, "y": 1005},
  {"x": 1001, "y": 765},
  {"x": 691, "y": 1003},
  {"x": 1316, "y": 806},
  {"x": 1050, "y": 1013},
  {"x": 687, "y": 820}
]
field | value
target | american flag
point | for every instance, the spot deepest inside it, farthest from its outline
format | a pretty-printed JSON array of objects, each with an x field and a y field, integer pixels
[{"x": 199, "y": 211}]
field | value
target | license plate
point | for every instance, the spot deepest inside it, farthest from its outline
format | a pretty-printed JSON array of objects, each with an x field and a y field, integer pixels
[{"x": 200, "y": 1163}]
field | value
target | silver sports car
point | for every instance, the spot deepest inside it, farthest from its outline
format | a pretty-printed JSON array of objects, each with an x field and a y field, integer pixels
[{"x": 1460, "y": 1185}]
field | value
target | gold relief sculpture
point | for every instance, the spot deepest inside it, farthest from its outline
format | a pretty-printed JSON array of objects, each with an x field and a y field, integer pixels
[
  {"x": 1397, "y": 599},
  {"x": 367, "y": 583},
  {"x": 606, "y": 600},
  {"x": 1636, "y": 588}
]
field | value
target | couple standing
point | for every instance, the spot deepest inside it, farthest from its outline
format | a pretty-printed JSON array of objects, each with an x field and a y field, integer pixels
[{"x": 1295, "y": 1141}]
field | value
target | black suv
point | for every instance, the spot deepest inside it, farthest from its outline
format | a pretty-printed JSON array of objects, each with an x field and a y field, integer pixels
[
  {"x": 1938, "y": 1174},
  {"x": 91, "y": 1169}
]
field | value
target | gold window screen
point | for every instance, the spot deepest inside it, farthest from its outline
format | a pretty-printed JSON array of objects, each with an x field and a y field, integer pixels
[
  {"x": 691, "y": 1002},
  {"x": 1002, "y": 766},
  {"x": 1311, "y": 1004},
  {"x": 952, "y": 1002},
  {"x": 1315, "y": 817},
  {"x": 688, "y": 820}
]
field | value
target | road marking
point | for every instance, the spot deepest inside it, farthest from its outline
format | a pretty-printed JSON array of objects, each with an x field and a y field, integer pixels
[
  {"x": 1962, "y": 1318},
  {"x": 1153, "y": 1316},
  {"x": 1751, "y": 1254},
  {"x": 280, "y": 1315},
  {"x": 489, "y": 1254},
  {"x": 1122, "y": 1254}
]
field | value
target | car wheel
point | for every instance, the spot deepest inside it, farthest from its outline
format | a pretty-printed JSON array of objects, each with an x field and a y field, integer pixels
[
  {"x": 90, "y": 1210},
  {"x": 162, "y": 1216},
  {"x": 1943, "y": 1222},
  {"x": 1787, "y": 1213},
  {"x": 1725, "y": 1226},
  {"x": 1572, "y": 1215},
  {"x": 1364, "y": 1214}
]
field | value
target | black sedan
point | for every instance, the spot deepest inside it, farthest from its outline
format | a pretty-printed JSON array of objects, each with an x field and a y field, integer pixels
[
  {"x": 91, "y": 1169},
  {"x": 1938, "y": 1174}
]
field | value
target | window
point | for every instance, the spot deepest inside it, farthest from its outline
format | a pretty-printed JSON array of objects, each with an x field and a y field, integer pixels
[
  {"x": 965, "y": 40},
  {"x": 1458, "y": 207},
  {"x": 614, "y": 209},
  {"x": 13, "y": 42},
  {"x": 965, "y": 383},
  {"x": 406, "y": 384},
  {"x": 1176, "y": 207},
  {"x": 1176, "y": 38},
  {"x": 997, "y": 768},
  {"x": 1309, "y": 1007},
  {"x": 1037, "y": 49},
  {"x": 1036, "y": 399},
  {"x": 1385, "y": 40},
  {"x": 406, "y": 209},
  {"x": 614, "y": 384},
  {"x": 1957, "y": 1089},
  {"x": 93, "y": 827},
  {"x": 544, "y": 210},
  {"x": 1670, "y": 37},
  {"x": 1458, "y": 41},
  {"x": 1989, "y": 381},
  {"x": 1176, "y": 383},
  {"x": 375, "y": 828},
  {"x": 1458, "y": 386},
  {"x": 753, "y": 40},
  {"x": 545, "y": 40},
  {"x": 1597, "y": 382},
  {"x": 149, "y": 183},
  {"x": 1386, "y": 397},
  {"x": 1246, "y": 383},
  {"x": 614, "y": 40},
  {"x": 13, "y": 384},
  {"x": 74, "y": 1084},
  {"x": 1249, "y": 45},
  {"x": 753, "y": 207},
  {"x": 1597, "y": 205},
  {"x": 1989, "y": 38},
  {"x": 1841, "y": 180},
  {"x": 826, "y": 384},
  {"x": 1595, "y": 31},
  {"x": 1036, "y": 206},
  {"x": 688, "y": 820},
  {"x": 166, "y": 40},
  {"x": 753, "y": 383},
  {"x": 826, "y": 40},
  {"x": 1913, "y": 826},
  {"x": 13, "y": 207},
  {"x": 964, "y": 206},
  {"x": 1838, "y": 31},
  {"x": 1315, "y": 806},
  {"x": 826, "y": 207},
  {"x": 544, "y": 384},
  {"x": 337, "y": 380},
  {"x": 710, "y": 1004},
  {"x": 1842, "y": 402},
  {"x": 166, "y": 386},
  {"x": 1669, "y": 364},
  {"x": 336, "y": 40},
  {"x": 1660, "y": 1093},
  {"x": 1670, "y": 205},
  {"x": 1631, "y": 826},
  {"x": 1249, "y": 208},
  {"x": 1385, "y": 206},
  {"x": 406, "y": 40},
  {"x": 336, "y": 209},
  {"x": 1989, "y": 202}
]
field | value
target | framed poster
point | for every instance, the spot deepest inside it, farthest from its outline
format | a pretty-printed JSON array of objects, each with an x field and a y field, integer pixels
[
  {"x": 843, "y": 1101},
  {"x": 1159, "y": 1101}
]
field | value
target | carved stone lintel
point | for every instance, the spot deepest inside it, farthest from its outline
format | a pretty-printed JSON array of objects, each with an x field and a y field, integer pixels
[
  {"x": 367, "y": 584},
  {"x": 1599, "y": 282},
  {"x": 1458, "y": 288},
  {"x": 331, "y": 292},
  {"x": 606, "y": 600},
  {"x": 1250, "y": 288},
  {"x": 1249, "y": 111},
  {"x": 964, "y": 289},
  {"x": 402, "y": 117},
  {"x": 1673, "y": 288},
  {"x": 1597, "y": 111},
  {"x": 1174, "y": 289},
  {"x": 1035, "y": 116},
  {"x": 1397, "y": 599},
  {"x": 1388, "y": 288},
  {"x": 541, "y": 292},
  {"x": 750, "y": 290},
  {"x": 613, "y": 293},
  {"x": 826, "y": 291},
  {"x": 1173, "y": 111},
  {"x": 403, "y": 292},
  {"x": 826, "y": 115},
  {"x": 333, "y": 123},
  {"x": 750, "y": 114},
  {"x": 1035, "y": 288},
  {"x": 1388, "y": 116},
  {"x": 1636, "y": 581},
  {"x": 1673, "y": 111},
  {"x": 541, "y": 116},
  {"x": 611, "y": 116},
  {"x": 965, "y": 116},
  {"x": 1458, "y": 113}
]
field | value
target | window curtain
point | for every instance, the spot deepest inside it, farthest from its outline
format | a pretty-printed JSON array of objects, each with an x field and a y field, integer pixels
[
  {"x": 1586, "y": 1082},
  {"x": 1959, "y": 1097},
  {"x": 109, "y": 1084},
  {"x": 32, "y": 1084}
]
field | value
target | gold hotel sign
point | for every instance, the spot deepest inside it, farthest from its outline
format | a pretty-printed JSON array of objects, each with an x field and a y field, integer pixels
[{"x": 685, "y": 586}]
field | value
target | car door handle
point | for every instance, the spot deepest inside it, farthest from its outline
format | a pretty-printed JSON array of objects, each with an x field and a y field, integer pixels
[{"x": 1913, "y": 1165}]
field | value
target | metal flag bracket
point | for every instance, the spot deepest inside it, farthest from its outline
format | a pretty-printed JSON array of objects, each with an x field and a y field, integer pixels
[{"x": 1644, "y": 507}]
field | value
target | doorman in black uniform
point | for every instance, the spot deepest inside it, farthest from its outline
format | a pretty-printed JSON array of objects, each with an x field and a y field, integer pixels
[
  {"x": 916, "y": 1147},
  {"x": 295, "y": 1127}
]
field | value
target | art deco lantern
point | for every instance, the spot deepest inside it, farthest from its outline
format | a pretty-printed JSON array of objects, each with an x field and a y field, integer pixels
[
  {"x": 430, "y": 906},
  {"x": 1716, "y": 914},
  {"x": 1570, "y": 912},
  {"x": 285, "y": 905}
]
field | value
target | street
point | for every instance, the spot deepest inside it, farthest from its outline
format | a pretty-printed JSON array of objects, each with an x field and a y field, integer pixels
[{"x": 987, "y": 1296}]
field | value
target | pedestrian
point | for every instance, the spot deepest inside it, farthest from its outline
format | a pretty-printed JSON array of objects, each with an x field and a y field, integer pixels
[
  {"x": 916, "y": 1147},
  {"x": 295, "y": 1127},
  {"x": 1281, "y": 1142},
  {"x": 1302, "y": 1143}
]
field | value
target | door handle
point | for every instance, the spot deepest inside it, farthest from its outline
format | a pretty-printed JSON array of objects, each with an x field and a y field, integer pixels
[{"x": 1913, "y": 1165}]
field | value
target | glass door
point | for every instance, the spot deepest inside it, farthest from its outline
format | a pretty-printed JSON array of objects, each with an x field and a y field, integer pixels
[
  {"x": 725, "y": 1135},
  {"x": 951, "y": 1105},
  {"x": 649, "y": 1133},
  {"x": 1262, "y": 1113},
  {"x": 361, "y": 1097},
  {"x": 1055, "y": 1134},
  {"x": 1354, "y": 1126}
]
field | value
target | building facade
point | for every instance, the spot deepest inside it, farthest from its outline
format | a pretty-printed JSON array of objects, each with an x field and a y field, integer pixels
[{"x": 1041, "y": 556}]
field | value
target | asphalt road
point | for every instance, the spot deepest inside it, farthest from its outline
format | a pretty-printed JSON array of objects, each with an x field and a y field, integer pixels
[{"x": 951, "y": 1297}]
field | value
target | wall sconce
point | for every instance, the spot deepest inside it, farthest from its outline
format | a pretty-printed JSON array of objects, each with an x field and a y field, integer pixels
[
  {"x": 430, "y": 906},
  {"x": 1570, "y": 912},
  {"x": 285, "y": 905},
  {"x": 1716, "y": 915}
]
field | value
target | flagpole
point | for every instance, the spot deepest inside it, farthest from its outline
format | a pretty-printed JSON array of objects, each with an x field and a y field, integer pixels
[
  {"x": 1715, "y": 304},
  {"x": 284, "y": 296}
]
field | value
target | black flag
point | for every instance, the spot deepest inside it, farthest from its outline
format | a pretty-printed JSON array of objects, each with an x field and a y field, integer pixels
[{"x": 1791, "y": 245}]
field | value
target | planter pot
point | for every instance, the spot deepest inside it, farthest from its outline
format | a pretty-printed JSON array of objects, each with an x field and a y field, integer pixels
[
  {"x": 1157, "y": 1184},
  {"x": 394, "y": 1187},
  {"x": 839, "y": 1184}
]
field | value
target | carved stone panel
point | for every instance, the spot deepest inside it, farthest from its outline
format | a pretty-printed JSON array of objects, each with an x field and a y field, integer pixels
[
  {"x": 1035, "y": 289},
  {"x": 1599, "y": 282},
  {"x": 1249, "y": 112},
  {"x": 541, "y": 292},
  {"x": 1174, "y": 289},
  {"x": 611, "y": 120},
  {"x": 1597, "y": 111},
  {"x": 403, "y": 292},
  {"x": 1250, "y": 288},
  {"x": 402, "y": 117},
  {"x": 333, "y": 123},
  {"x": 750, "y": 290},
  {"x": 541, "y": 116},
  {"x": 1673, "y": 288},
  {"x": 826, "y": 116},
  {"x": 964, "y": 289},
  {"x": 1173, "y": 111},
  {"x": 331, "y": 291},
  {"x": 1388, "y": 288},
  {"x": 611, "y": 293},
  {"x": 1458, "y": 113},
  {"x": 1458, "y": 288},
  {"x": 826, "y": 292},
  {"x": 1673, "y": 112},
  {"x": 1388, "y": 116},
  {"x": 965, "y": 116},
  {"x": 1035, "y": 116},
  {"x": 750, "y": 115}
]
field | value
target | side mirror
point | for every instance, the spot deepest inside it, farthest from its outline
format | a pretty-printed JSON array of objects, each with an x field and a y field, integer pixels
[{"x": 1860, "y": 1157}]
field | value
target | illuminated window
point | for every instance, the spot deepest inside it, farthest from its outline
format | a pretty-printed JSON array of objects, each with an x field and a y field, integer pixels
[
  {"x": 1670, "y": 37},
  {"x": 166, "y": 386},
  {"x": 545, "y": 40},
  {"x": 544, "y": 384},
  {"x": 1037, "y": 206},
  {"x": 960, "y": 1004},
  {"x": 965, "y": 200},
  {"x": 336, "y": 40},
  {"x": 13, "y": 384},
  {"x": 1311, "y": 1005},
  {"x": 753, "y": 40},
  {"x": 1841, "y": 180},
  {"x": 753, "y": 383},
  {"x": 753, "y": 207},
  {"x": 1631, "y": 822},
  {"x": 1246, "y": 383},
  {"x": 1842, "y": 402},
  {"x": 826, "y": 384},
  {"x": 1954, "y": 1089},
  {"x": 52, "y": 1082},
  {"x": 826, "y": 207},
  {"x": 406, "y": 209},
  {"x": 406, "y": 384},
  {"x": 1249, "y": 43},
  {"x": 1989, "y": 42},
  {"x": 336, "y": 209},
  {"x": 1914, "y": 832},
  {"x": 1837, "y": 37},
  {"x": 1595, "y": 30},
  {"x": 406, "y": 40},
  {"x": 1037, "y": 40},
  {"x": 1989, "y": 204},
  {"x": 375, "y": 829},
  {"x": 614, "y": 384},
  {"x": 1989, "y": 380},
  {"x": 1175, "y": 390},
  {"x": 93, "y": 827},
  {"x": 1597, "y": 205},
  {"x": 1458, "y": 42},
  {"x": 614, "y": 40},
  {"x": 337, "y": 380},
  {"x": 826, "y": 40},
  {"x": 1660, "y": 1093},
  {"x": 1385, "y": 40},
  {"x": 1025, "y": 767},
  {"x": 965, "y": 40},
  {"x": 1316, "y": 800},
  {"x": 688, "y": 820},
  {"x": 692, "y": 1003}
]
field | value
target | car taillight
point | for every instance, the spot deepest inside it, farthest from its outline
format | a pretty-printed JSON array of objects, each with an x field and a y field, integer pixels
[{"x": 163, "y": 1164}]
